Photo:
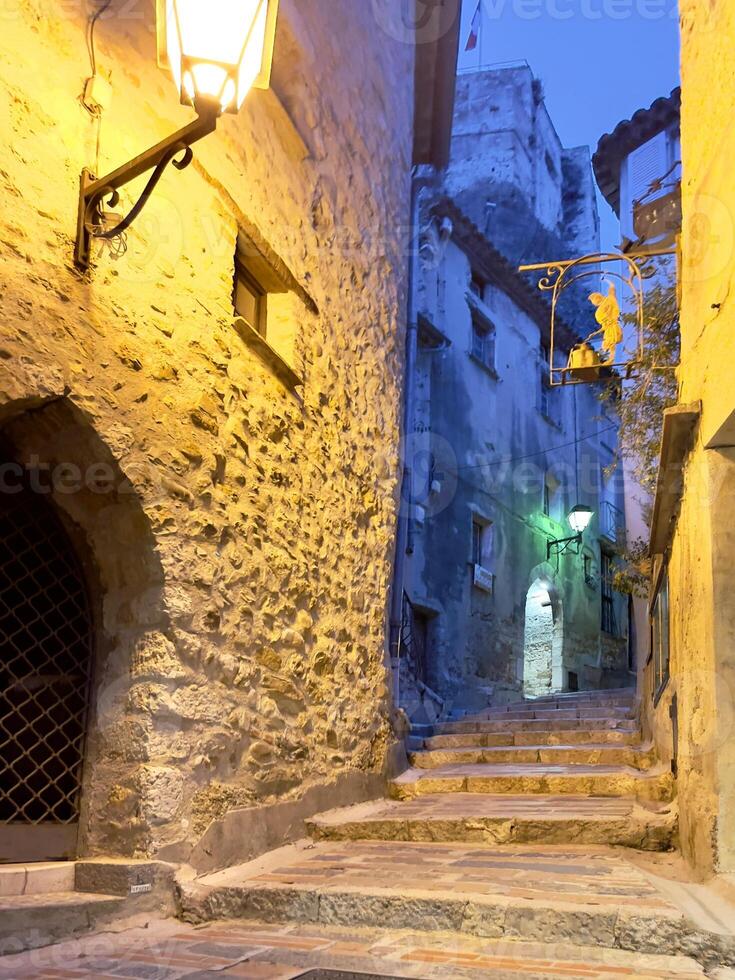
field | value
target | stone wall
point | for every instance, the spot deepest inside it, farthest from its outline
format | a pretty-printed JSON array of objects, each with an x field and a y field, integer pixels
[
  {"x": 238, "y": 534},
  {"x": 534, "y": 199},
  {"x": 492, "y": 448},
  {"x": 701, "y": 555}
]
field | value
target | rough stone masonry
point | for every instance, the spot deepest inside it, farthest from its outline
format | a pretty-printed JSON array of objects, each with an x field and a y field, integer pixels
[{"x": 236, "y": 532}]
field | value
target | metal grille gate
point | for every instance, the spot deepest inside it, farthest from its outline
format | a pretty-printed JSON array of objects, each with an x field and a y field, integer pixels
[{"x": 45, "y": 665}]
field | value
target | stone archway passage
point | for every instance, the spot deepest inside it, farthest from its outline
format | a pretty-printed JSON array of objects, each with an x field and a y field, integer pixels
[
  {"x": 46, "y": 638},
  {"x": 538, "y": 646}
]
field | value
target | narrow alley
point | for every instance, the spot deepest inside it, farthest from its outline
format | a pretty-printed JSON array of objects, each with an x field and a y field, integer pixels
[{"x": 367, "y": 490}]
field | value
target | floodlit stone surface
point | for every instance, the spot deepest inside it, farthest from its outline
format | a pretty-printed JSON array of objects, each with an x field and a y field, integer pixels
[
  {"x": 471, "y": 817},
  {"x": 655, "y": 785},
  {"x": 585, "y": 895},
  {"x": 239, "y": 534}
]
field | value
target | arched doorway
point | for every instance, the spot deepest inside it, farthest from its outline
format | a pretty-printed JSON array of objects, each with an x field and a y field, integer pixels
[
  {"x": 542, "y": 641},
  {"x": 46, "y": 656}
]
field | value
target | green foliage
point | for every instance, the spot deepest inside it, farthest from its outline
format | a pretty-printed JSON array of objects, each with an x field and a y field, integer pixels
[{"x": 640, "y": 403}]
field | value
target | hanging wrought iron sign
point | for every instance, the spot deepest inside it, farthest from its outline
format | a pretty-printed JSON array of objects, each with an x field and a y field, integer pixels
[{"x": 604, "y": 348}]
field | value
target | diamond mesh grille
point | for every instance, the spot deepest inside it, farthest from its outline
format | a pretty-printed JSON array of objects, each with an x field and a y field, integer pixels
[{"x": 45, "y": 663}]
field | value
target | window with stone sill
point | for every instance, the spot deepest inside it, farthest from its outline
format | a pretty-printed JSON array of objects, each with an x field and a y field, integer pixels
[
  {"x": 483, "y": 342},
  {"x": 482, "y": 543},
  {"x": 266, "y": 312}
]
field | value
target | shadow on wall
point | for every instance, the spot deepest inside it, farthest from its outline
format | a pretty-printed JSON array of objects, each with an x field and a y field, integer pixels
[
  {"x": 543, "y": 640},
  {"x": 52, "y": 455}
]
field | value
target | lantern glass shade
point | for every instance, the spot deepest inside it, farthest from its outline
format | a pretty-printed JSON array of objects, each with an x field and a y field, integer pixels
[
  {"x": 579, "y": 518},
  {"x": 218, "y": 49}
]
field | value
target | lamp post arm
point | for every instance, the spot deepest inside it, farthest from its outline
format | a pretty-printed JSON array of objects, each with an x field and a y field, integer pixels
[
  {"x": 93, "y": 190},
  {"x": 562, "y": 544}
]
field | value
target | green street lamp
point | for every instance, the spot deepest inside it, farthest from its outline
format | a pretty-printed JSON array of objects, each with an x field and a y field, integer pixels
[{"x": 579, "y": 519}]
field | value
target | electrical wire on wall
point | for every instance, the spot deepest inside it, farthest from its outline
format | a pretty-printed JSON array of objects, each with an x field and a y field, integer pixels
[{"x": 95, "y": 98}]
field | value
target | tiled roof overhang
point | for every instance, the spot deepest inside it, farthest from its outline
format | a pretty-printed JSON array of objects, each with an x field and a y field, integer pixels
[
  {"x": 498, "y": 271},
  {"x": 614, "y": 147}
]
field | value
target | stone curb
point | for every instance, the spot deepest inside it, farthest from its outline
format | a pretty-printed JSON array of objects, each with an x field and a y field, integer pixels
[
  {"x": 654, "y": 787},
  {"x": 617, "y": 928},
  {"x": 640, "y": 831}
]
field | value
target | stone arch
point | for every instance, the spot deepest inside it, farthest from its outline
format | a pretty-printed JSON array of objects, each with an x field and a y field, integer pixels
[
  {"x": 543, "y": 635},
  {"x": 55, "y": 445}
]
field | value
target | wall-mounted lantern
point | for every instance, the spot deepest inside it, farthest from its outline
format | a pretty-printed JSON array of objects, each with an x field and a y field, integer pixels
[
  {"x": 579, "y": 518},
  {"x": 217, "y": 51}
]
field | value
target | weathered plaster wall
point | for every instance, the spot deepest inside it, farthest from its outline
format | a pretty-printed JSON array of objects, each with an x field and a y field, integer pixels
[
  {"x": 242, "y": 543},
  {"x": 702, "y": 604}
]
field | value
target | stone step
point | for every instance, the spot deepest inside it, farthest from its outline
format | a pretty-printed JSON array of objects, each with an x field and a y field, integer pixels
[
  {"x": 550, "y": 724},
  {"x": 562, "y": 714},
  {"x": 577, "y": 896},
  {"x": 485, "y": 819},
  {"x": 315, "y": 951},
  {"x": 656, "y": 785},
  {"x": 33, "y": 920},
  {"x": 568, "y": 755},
  {"x": 623, "y": 695},
  {"x": 43, "y": 903},
  {"x": 576, "y": 736},
  {"x": 44, "y": 877}
]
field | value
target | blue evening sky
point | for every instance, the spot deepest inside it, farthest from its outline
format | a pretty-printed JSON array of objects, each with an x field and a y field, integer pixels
[{"x": 599, "y": 60}]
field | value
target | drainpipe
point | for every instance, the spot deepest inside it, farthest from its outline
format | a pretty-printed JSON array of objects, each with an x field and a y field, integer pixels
[{"x": 404, "y": 543}]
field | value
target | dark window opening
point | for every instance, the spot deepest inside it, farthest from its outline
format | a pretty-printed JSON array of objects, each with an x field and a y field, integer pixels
[
  {"x": 660, "y": 637},
  {"x": 477, "y": 286},
  {"x": 250, "y": 299},
  {"x": 607, "y": 593},
  {"x": 477, "y": 530}
]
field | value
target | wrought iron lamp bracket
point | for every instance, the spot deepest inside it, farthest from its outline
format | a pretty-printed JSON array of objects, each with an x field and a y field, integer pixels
[
  {"x": 561, "y": 546},
  {"x": 93, "y": 191}
]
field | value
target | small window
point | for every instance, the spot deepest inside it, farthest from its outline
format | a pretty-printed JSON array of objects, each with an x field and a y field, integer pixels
[
  {"x": 550, "y": 490},
  {"x": 483, "y": 342},
  {"x": 482, "y": 544},
  {"x": 607, "y": 594},
  {"x": 250, "y": 299},
  {"x": 660, "y": 638}
]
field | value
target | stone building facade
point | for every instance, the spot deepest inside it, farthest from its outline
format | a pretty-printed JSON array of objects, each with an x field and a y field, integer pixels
[
  {"x": 499, "y": 456},
  {"x": 637, "y": 153},
  {"x": 690, "y": 679},
  {"x": 230, "y": 503}
]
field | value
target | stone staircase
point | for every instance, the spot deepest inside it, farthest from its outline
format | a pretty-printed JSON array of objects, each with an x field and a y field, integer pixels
[{"x": 501, "y": 828}]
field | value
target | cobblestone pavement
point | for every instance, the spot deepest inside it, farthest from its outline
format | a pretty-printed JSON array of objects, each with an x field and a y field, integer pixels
[{"x": 255, "y": 951}]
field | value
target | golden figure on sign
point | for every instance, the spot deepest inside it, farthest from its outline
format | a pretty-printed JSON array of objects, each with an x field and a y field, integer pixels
[{"x": 608, "y": 316}]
